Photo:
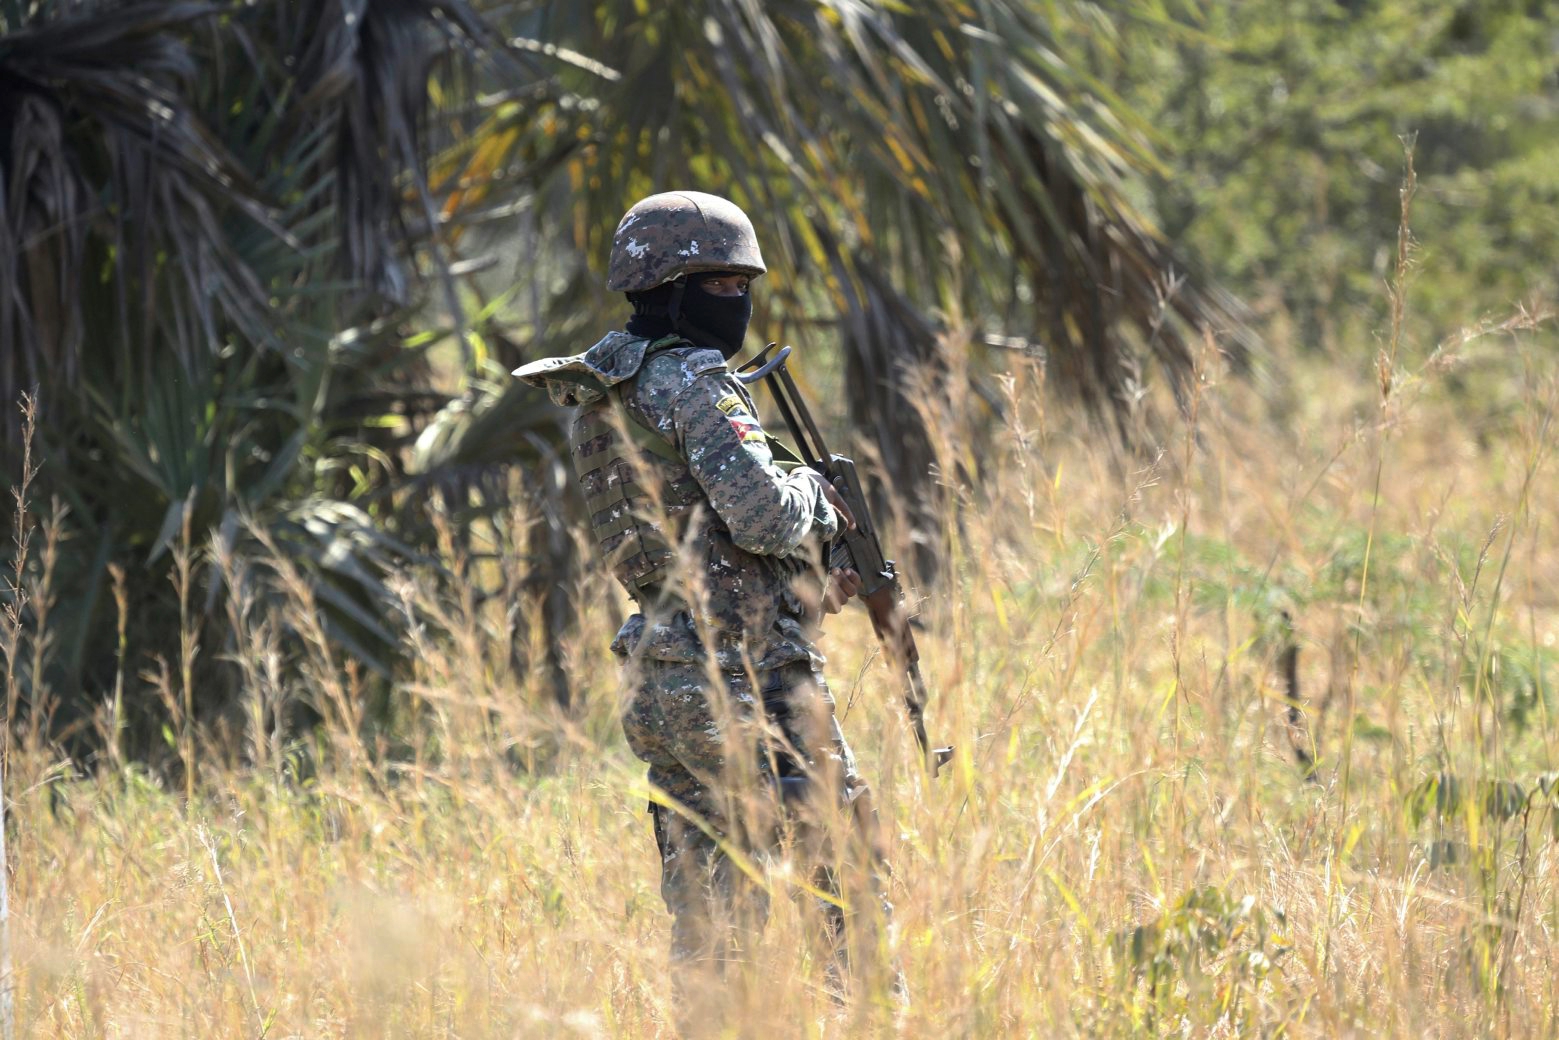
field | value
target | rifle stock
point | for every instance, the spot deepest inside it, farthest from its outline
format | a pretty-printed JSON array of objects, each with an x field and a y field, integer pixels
[{"x": 860, "y": 549}]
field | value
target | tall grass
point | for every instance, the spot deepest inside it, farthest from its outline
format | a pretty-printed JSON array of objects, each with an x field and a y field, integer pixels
[{"x": 1129, "y": 844}]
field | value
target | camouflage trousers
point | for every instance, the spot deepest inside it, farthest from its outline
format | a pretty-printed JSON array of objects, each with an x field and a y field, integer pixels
[{"x": 755, "y": 766}]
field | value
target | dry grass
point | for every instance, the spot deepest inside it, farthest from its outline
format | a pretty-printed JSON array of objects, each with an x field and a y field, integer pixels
[{"x": 1127, "y": 846}]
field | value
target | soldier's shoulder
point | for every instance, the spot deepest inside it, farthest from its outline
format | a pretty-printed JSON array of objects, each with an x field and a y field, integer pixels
[
  {"x": 582, "y": 378},
  {"x": 667, "y": 372}
]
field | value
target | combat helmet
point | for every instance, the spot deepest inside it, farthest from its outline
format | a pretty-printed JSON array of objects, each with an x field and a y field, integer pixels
[{"x": 676, "y": 233}]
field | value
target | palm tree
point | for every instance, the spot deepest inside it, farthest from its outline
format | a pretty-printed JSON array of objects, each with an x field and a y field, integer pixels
[
  {"x": 223, "y": 225},
  {"x": 904, "y": 163},
  {"x": 216, "y": 229}
]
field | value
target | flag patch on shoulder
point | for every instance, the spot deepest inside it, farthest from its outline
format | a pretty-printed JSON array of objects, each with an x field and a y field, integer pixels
[{"x": 747, "y": 429}]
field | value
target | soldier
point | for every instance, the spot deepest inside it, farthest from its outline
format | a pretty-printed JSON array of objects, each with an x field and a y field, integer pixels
[{"x": 719, "y": 547}]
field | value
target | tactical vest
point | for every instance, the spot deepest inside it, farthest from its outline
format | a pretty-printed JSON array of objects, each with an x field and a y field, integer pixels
[
  {"x": 634, "y": 487},
  {"x": 635, "y": 483}
]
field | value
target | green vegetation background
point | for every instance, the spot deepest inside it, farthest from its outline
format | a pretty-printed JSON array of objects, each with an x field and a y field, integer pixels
[
  {"x": 302, "y": 402},
  {"x": 1284, "y": 121},
  {"x": 363, "y": 531}
]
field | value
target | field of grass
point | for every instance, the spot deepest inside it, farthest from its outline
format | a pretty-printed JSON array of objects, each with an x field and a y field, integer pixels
[{"x": 1131, "y": 842}]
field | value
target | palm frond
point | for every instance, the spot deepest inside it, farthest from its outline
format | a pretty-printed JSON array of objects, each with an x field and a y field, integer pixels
[
  {"x": 365, "y": 68},
  {"x": 900, "y": 130},
  {"x": 100, "y": 144},
  {"x": 185, "y": 189}
]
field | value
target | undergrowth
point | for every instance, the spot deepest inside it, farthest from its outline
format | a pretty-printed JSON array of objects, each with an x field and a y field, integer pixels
[
  {"x": 1256, "y": 738},
  {"x": 1130, "y": 843}
]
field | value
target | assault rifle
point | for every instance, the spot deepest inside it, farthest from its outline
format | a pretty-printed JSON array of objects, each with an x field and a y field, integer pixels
[{"x": 859, "y": 550}]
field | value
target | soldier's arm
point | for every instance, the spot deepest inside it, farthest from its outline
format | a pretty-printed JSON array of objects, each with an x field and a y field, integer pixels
[{"x": 768, "y": 512}]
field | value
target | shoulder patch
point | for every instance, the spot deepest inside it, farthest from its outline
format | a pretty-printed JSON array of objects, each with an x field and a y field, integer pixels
[{"x": 748, "y": 430}]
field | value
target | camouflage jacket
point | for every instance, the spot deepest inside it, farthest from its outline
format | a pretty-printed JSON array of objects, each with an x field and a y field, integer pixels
[{"x": 747, "y": 530}]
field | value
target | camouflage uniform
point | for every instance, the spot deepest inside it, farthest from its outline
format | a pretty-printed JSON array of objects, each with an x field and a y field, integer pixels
[{"x": 714, "y": 541}]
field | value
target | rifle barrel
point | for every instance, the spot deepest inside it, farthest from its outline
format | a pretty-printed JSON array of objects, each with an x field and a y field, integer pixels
[
  {"x": 783, "y": 373},
  {"x": 808, "y": 455},
  {"x": 888, "y": 620}
]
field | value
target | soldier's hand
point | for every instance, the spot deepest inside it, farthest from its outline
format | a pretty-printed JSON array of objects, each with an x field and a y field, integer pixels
[
  {"x": 835, "y": 499},
  {"x": 843, "y": 585}
]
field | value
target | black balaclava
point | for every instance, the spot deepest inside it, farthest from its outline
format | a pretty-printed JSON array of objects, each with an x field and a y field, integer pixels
[{"x": 716, "y": 322}]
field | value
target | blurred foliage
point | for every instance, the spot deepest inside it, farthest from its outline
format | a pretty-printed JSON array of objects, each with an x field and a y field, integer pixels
[
  {"x": 240, "y": 245},
  {"x": 1209, "y": 942},
  {"x": 268, "y": 263},
  {"x": 1399, "y": 612},
  {"x": 1446, "y": 798},
  {"x": 1284, "y": 120},
  {"x": 912, "y": 170},
  {"x": 218, "y": 238},
  {"x": 1491, "y": 829}
]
